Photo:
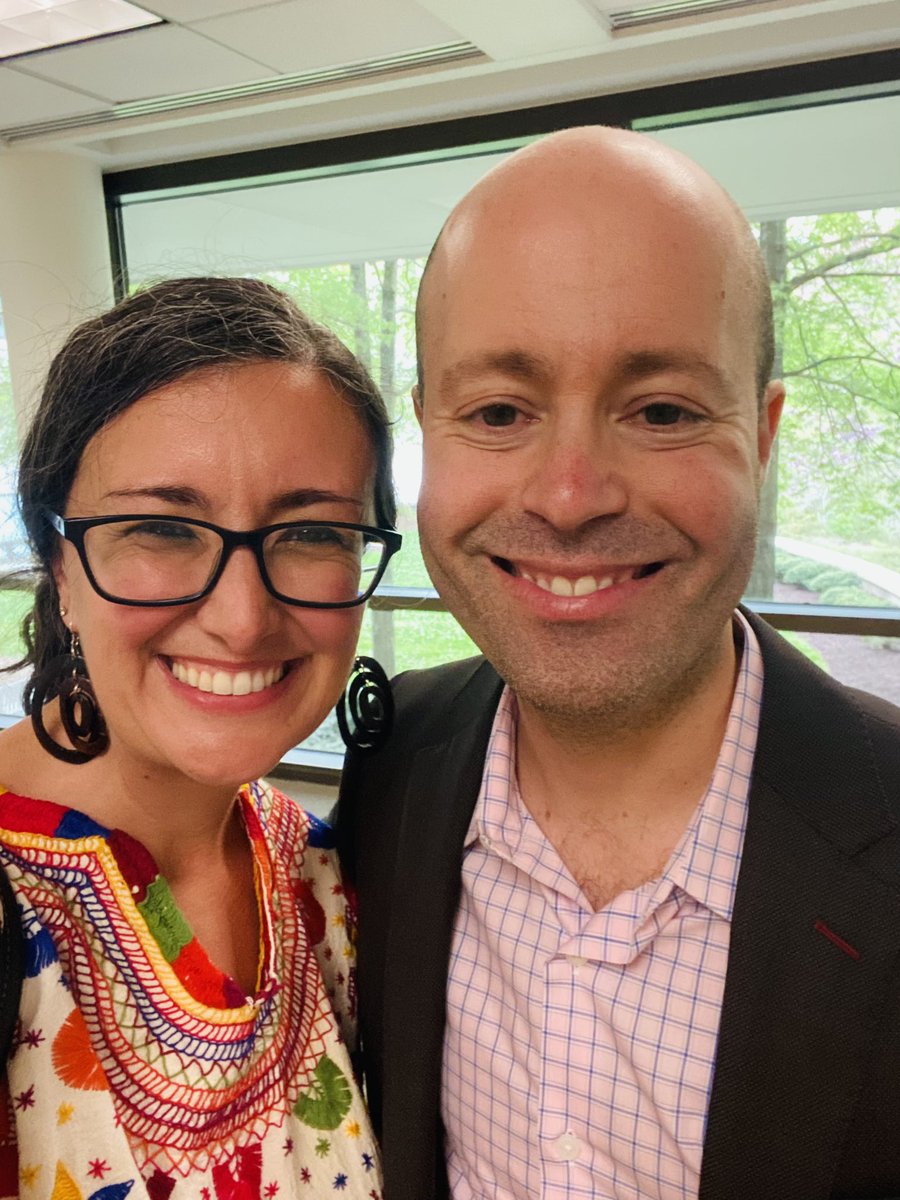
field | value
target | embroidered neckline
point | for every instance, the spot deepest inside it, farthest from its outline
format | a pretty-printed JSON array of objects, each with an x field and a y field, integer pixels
[{"x": 145, "y": 897}]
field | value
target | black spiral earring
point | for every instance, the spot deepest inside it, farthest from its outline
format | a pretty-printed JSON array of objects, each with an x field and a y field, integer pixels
[
  {"x": 66, "y": 677},
  {"x": 365, "y": 712}
]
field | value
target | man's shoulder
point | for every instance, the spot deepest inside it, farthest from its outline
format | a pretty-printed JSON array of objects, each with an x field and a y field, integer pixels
[
  {"x": 814, "y": 728},
  {"x": 876, "y": 709},
  {"x": 469, "y": 681},
  {"x": 784, "y": 664}
]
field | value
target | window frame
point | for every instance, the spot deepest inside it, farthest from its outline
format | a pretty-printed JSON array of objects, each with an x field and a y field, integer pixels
[{"x": 747, "y": 93}]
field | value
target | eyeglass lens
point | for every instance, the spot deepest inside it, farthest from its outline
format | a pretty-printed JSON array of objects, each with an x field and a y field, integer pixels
[{"x": 164, "y": 559}]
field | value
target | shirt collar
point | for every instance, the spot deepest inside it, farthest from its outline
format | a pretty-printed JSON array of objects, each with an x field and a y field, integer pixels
[{"x": 706, "y": 861}]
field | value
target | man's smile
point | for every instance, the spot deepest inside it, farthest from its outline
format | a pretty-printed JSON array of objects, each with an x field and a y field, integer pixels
[{"x": 569, "y": 584}]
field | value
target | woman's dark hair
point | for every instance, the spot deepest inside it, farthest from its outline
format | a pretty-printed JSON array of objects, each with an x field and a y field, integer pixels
[{"x": 154, "y": 337}]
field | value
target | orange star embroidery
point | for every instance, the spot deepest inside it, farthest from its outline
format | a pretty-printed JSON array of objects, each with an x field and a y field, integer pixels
[{"x": 29, "y": 1175}]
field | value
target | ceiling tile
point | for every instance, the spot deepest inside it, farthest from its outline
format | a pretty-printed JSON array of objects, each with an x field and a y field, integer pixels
[
  {"x": 302, "y": 34},
  {"x": 162, "y": 60},
  {"x": 186, "y": 12},
  {"x": 506, "y": 31},
  {"x": 25, "y": 100}
]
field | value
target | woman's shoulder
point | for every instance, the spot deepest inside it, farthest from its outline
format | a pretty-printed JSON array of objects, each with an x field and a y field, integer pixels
[
  {"x": 290, "y": 828},
  {"x": 28, "y": 771}
]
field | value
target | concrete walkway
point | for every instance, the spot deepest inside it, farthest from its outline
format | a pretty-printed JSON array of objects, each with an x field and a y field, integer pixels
[{"x": 883, "y": 579}]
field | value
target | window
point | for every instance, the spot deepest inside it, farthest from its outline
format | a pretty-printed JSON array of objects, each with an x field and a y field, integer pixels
[
  {"x": 348, "y": 242},
  {"x": 14, "y": 602}
]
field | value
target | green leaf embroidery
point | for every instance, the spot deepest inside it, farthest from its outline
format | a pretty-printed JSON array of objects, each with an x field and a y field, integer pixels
[{"x": 327, "y": 1101}]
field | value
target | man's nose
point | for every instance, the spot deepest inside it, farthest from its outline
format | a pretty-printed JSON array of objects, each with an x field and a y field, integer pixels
[{"x": 578, "y": 474}]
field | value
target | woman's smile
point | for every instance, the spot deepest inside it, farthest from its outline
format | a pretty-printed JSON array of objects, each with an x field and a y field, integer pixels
[{"x": 221, "y": 681}]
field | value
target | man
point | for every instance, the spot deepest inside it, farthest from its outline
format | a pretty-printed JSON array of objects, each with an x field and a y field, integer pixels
[{"x": 628, "y": 895}]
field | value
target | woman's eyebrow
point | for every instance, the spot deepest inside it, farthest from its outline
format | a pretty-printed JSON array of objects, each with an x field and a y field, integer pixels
[
  {"x": 189, "y": 497},
  {"x": 171, "y": 494},
  {"x": 306, "y": 497}
]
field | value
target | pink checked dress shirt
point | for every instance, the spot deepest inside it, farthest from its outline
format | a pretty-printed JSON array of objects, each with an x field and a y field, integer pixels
[{"x": 579, "y": 1049}]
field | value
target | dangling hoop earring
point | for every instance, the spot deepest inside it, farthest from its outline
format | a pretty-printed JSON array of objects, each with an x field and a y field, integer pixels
[
  {"x": 67, "y": 678},
  {"x": 365, "y": 712}
]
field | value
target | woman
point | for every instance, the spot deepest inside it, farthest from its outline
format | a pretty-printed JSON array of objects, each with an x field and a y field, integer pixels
[{"x": 189, "y": 994}]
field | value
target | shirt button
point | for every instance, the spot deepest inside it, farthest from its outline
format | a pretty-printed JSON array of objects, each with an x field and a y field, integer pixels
[
  {"x": 567, "y": 1147},
  {"x": 485, "y": 841}
]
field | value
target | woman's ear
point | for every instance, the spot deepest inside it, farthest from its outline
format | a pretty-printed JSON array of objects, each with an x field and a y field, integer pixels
[{"x": 58, "y": 570}]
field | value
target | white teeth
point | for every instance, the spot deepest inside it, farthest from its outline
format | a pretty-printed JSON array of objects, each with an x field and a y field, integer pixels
[
  {"x": 223, "y": 683},
  {"x": 242, "y": 684},
  {"x": 584, "y": 585}
]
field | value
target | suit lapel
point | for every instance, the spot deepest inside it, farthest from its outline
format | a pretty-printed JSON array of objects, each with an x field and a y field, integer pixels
[
  {"x": 443, "y": 784},
  {"x": 814, "y": 937}
]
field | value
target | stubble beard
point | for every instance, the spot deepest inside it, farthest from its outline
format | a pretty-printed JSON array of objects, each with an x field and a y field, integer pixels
[{"x": 609, "y": 678}]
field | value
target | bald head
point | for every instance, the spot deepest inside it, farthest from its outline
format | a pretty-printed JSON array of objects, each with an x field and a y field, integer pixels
[{"x": 617, "y": 184}]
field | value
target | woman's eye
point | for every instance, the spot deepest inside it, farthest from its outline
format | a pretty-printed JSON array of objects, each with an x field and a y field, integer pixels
[
  {"x": 317, "y": 537},
  {"x": 167, "y": 530}
]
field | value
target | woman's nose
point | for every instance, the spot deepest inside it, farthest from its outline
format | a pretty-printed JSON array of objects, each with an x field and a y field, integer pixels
[{"x": 240, "y": 610}]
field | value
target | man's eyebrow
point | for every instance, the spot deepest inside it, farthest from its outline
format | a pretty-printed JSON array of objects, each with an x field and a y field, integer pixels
[
  {"x": 528, "y": 367},
  {"x": 514, "y": 364},
  {"x": 644, "y": 363}
]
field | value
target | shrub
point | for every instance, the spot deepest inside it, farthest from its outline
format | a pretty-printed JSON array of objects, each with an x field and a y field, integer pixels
[
  {"x": 784, "y": 561},
  {"x": 830, "y": 577},
  {"x": 800, "y": 572},
  {"x": 853, "y": 595}
]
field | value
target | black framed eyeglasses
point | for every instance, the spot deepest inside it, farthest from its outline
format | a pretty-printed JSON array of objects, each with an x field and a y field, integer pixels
[{"x": 152, "y": 561}]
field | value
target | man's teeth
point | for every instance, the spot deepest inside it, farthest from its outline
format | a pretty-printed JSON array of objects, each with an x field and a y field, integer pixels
[
  {"x": 224, "y": 683},
  {"x": 584, "y": 585}
]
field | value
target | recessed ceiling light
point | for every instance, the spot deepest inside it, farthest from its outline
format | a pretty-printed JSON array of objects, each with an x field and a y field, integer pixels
[{"x": 30, "y": 25}]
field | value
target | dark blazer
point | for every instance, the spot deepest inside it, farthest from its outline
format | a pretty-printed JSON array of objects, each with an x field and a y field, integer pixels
[{"x": 806, "y": 1096}]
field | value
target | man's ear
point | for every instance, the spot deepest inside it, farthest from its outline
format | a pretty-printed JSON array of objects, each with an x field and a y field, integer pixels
[
  {"x": 769, "y": 416},
  {"x": 417, "y": 403}
]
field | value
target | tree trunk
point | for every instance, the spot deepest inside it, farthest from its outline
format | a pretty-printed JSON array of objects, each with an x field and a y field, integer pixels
[{"x": 761, "y": 586}]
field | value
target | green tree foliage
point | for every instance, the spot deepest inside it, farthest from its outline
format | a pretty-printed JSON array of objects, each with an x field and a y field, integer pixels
[
  {"x": 371, "y": 307},
  {"x": 836, "y": 289}
]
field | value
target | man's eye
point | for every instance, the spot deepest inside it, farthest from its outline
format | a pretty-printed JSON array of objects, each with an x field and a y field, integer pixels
[
  {"x": 498, "y": 416},
  {"x": 665, "y": 413}
]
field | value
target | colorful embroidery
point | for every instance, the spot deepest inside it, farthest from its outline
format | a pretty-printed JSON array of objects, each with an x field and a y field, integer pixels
[{"x": 140, "y": 1067}]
